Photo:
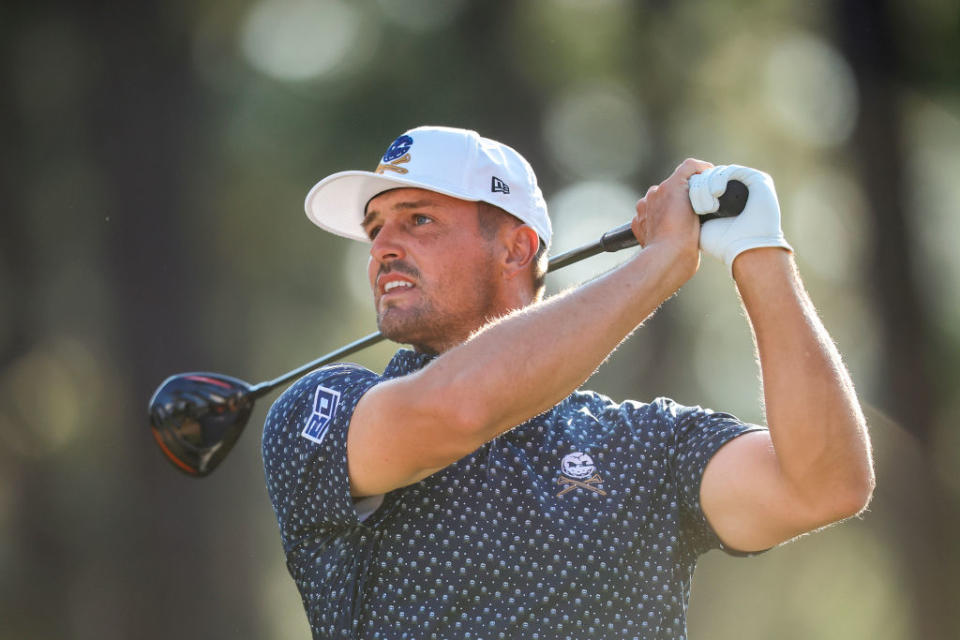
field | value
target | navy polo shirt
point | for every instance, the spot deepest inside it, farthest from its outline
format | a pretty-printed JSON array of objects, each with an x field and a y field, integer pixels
[{"x": 584, "y": 522}]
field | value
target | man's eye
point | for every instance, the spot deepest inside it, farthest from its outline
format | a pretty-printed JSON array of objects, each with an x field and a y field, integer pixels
[
  {"x": 372, "y": 233},
  {"x": 421, "y": 219}
]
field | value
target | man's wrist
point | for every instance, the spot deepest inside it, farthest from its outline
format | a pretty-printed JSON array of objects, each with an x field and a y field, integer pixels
[
  {"x": 671, "y": 263},
  {"x": 761, "y": 261}
]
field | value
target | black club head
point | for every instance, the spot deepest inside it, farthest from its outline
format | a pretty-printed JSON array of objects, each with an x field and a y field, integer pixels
[{"x": 196, "y": 418}]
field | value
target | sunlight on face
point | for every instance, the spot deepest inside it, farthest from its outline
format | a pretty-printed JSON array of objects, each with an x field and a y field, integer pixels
[{"x": 431, "y": 245}]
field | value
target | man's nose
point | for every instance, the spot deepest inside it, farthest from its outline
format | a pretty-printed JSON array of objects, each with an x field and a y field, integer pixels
[{"x": 386, "y": 245}]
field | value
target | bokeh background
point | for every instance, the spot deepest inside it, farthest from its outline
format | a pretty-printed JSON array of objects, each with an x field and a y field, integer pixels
[{"x": 155, "y": 156}]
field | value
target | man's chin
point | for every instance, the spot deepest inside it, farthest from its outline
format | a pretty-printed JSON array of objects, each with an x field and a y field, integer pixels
[
  {"x": 410, "y": 329},
  {"x": 397, "y": 328}
]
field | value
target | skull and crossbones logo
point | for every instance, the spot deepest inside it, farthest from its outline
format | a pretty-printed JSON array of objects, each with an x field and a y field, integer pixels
[{"x": 578, "y": 472}]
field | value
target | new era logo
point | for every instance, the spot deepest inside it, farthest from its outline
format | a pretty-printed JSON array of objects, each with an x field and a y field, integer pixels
[
  {"x": 324, "y": 410},
  {"x": 498, "y": 186}
]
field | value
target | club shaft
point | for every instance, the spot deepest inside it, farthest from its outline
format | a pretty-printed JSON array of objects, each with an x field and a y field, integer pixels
[{"x": 357, "y": 345}]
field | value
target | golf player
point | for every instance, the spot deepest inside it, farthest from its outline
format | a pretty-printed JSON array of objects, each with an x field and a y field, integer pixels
[{"x": 472, "y": 490}]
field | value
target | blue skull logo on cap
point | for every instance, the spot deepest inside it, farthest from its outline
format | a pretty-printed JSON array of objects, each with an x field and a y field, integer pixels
[{"x": 397, "y": 148}]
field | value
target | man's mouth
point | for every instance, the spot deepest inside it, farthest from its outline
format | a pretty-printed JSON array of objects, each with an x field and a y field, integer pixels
[
  {"x": 396, "y": 284},
  {"x": 393, "y": 284}
]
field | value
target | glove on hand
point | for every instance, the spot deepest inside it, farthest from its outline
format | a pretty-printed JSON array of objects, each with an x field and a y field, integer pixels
[{"x": 757, "y": 226}]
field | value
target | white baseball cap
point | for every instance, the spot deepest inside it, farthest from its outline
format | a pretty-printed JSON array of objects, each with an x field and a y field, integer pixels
[{"x": 454, "y": 162}]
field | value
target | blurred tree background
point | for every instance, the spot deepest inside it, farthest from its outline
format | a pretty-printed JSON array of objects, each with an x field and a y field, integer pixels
[{"x": 155, "y": 159}]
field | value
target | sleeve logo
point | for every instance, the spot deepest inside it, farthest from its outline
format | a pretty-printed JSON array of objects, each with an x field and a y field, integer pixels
[{"x": 324, "y": 409}]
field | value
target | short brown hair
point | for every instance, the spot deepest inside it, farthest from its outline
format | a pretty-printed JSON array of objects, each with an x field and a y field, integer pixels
[{"x": 490, "y": 217}]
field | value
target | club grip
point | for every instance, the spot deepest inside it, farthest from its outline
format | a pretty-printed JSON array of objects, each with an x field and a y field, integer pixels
[{"x": 732, "y": 202}]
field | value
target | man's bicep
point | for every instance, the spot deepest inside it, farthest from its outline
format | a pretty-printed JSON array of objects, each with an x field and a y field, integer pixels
[
  {"x": 396, "y": 438},
  {"x": 745, "y": 498}
]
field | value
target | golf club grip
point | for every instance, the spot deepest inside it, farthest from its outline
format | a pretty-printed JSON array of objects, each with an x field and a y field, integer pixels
[{"x": 732, "y": 202}]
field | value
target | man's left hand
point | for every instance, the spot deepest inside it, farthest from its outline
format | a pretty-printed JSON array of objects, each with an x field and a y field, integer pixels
[{"x": 757, "y": 226}]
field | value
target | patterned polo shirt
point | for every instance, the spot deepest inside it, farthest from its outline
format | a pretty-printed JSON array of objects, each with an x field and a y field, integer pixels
[{"x": 583, "y": 522}]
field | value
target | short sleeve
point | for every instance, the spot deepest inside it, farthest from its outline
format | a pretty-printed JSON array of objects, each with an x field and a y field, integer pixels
[
  {"x": 304, "y": 450},
  {"x": 698, "y": 434}
]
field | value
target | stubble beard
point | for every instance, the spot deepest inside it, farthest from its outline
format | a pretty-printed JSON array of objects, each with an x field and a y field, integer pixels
[
  {"x": 410, "y": 326},
  {"x": 431, "y": 330}
]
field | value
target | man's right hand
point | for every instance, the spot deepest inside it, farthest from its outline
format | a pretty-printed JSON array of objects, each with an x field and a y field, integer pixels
[{"x": 665, "y": 218}]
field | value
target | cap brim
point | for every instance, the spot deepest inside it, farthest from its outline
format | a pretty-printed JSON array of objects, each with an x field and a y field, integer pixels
[{"x": 337, "y": 203}]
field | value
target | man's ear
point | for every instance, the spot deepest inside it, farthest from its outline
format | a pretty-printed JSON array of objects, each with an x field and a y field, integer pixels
[{"x": 521, "y": 243}]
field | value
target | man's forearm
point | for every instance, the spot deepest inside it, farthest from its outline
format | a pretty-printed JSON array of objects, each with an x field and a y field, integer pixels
[
  {"x": 525, "y": 363},
  {"x": 816, "y": 424}
]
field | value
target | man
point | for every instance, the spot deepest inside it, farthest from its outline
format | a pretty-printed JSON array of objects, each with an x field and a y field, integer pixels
[{"x": 472, "y": 491}]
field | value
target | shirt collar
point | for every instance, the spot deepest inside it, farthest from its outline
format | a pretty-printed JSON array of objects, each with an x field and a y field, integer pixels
[{"x": 406, "y": 361}]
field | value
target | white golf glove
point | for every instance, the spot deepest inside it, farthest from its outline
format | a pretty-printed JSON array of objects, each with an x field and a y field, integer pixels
[{"x": 758, "y": 225}]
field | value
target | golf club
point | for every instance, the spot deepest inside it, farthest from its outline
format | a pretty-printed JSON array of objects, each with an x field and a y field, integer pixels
[{"x": 196, "y": 418}]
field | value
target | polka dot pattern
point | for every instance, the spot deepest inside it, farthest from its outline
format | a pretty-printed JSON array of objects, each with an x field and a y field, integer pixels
[{"x": 583, "y": 522}]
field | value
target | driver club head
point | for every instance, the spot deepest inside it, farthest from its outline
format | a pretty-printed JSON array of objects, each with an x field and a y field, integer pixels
[{"x": 196, "y": 418}]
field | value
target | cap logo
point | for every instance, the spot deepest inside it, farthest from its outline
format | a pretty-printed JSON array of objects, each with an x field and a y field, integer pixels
[
  {"x": 498, "y": 186},
  {"x": 395, "y": 155}
]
